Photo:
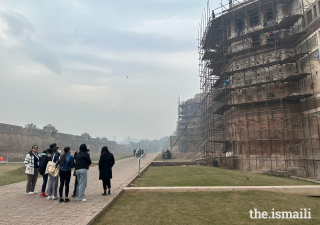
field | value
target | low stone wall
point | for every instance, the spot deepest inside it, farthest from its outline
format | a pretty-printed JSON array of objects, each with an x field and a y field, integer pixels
[
  {"x": 169, "y": 163},
  {"x": 16, "y": 142}
]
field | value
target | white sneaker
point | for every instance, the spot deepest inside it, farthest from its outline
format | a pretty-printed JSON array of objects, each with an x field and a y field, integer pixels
[
  {"x": 35, "y": 192},
  {"x": 83, "y": 200},
  {"x": 55, "y": 197},
  {"x": 49, "y": 197},
  {"x": 30, "y": 193}
]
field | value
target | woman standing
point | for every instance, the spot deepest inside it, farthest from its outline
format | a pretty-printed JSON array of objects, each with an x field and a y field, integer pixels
[
  {"x": 44, "y": 159},
  {"x": 66, "y": 163},
  {"x": 53, "y": 181},
  {"x": 83, "y": 162},
  {"x": 31, "y": 163},
  {"x": 106, "y": 163}
]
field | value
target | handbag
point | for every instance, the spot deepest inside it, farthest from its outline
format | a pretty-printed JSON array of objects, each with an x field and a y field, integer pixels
[
  {"x": 51, "y": 168},
  {"x": 56, "y": 172}
]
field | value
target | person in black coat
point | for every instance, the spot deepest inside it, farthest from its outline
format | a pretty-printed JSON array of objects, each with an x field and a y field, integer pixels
[
  {"x": 106, "y": 163},
  {"x": 44, "y": 159}
]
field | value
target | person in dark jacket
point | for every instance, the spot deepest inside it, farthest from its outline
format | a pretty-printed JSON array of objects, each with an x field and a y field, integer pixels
[
  {"x": 44, "y": 159},
  {"x": 83, "y": 162},
  {"x": 66, "y": 163},
  {"x": 76, "y": 180},
  {"x": 53, "y": 181},
  {"x": 106, "y": 163}
]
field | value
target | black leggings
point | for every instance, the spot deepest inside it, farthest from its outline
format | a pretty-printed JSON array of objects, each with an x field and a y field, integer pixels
[
  {"x": 106, "y": 183},
  {"x": 65, "y": 177},
  {"x": 75, "y": 186},
  {"x": 45, "y": 180}
]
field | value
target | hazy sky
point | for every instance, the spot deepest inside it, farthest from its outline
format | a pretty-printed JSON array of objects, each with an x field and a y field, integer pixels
[{"x": 66, "y": 62}]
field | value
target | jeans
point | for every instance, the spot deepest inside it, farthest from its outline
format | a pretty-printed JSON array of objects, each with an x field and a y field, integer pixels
[
  {"x": 32, "y": 180},
  {"x": 65, "y": 177},
  {"x": 45, "y": 180},
  {"x": 106, "y": 183},
  {"x": 53, "y": 185},
  {"x": 82, "y": 183}
]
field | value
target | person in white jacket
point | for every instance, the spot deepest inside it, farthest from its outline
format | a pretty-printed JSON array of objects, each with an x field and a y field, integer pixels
[{"x": 31, "y": 163}]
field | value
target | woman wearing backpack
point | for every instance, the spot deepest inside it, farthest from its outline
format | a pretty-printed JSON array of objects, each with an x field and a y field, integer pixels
[
  {"x": 31, "y": 163},
  {"x": 53, "y": 181}
]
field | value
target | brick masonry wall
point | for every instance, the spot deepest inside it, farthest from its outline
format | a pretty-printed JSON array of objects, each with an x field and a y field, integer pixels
[{"x": 16, "y": 142}]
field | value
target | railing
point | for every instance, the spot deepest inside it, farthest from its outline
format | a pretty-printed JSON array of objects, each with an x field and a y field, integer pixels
[{"x": 139, "y": 163}]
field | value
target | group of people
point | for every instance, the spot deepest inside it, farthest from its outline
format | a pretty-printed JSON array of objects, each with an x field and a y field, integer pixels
[
  {"x": 166, "y": 154},
  {"x": 138, "y": 152},
  {"x": 36, "y": 163}
]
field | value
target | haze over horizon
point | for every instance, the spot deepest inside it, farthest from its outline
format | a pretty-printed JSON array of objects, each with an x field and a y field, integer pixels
[{"x": 66, "y": 63}]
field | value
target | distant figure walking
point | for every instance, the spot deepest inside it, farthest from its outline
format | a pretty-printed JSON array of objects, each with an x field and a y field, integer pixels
[
  {"x": 83, "y": 162},
  {"x": 106, "y": 163},
  {"x": 66, "y": 163},
  {"x": 134, "y": 153},
  {"x": 53, "y": 181},
  {"x": 44, "y": 159},
  {"x": 31, "y": 163}
]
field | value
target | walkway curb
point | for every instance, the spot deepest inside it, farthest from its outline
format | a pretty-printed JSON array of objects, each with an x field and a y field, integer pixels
[
  {"x": 305, "y": 190},
  {"x": 119, "y": 194}
]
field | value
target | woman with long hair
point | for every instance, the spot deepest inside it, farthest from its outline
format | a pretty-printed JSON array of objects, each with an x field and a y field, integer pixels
[
  {"x": 53, "y": 181},
  {"x": 106, "y": 163},
  {"x": 31, "y": 163},
  {"x": 66, "y": 163}
]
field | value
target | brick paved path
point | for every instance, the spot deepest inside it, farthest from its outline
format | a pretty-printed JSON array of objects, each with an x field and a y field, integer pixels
[{"x": 18, "y": 208}]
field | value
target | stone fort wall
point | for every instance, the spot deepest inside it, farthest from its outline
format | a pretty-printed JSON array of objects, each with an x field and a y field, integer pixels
[{"x": 16, "y": 142}]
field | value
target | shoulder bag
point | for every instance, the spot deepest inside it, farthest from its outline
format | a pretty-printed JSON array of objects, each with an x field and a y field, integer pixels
[{"x": 51, "y": 168}]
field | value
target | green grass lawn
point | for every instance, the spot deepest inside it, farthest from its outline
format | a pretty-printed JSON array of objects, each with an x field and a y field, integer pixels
[
  {"x": 206, "y": 208},
  {"x": 12, "y": 173},
  {"x": 172, "y": 160},
  {"x": 209, "y": 176}
]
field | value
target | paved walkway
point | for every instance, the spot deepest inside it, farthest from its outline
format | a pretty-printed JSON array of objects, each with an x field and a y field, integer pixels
[{"x": 18, "y": 208}]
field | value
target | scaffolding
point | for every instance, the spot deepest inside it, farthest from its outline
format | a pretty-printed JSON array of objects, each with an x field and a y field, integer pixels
[
  {"x": 260, "y": 87},
  {"x": 188, "y": 125}
]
